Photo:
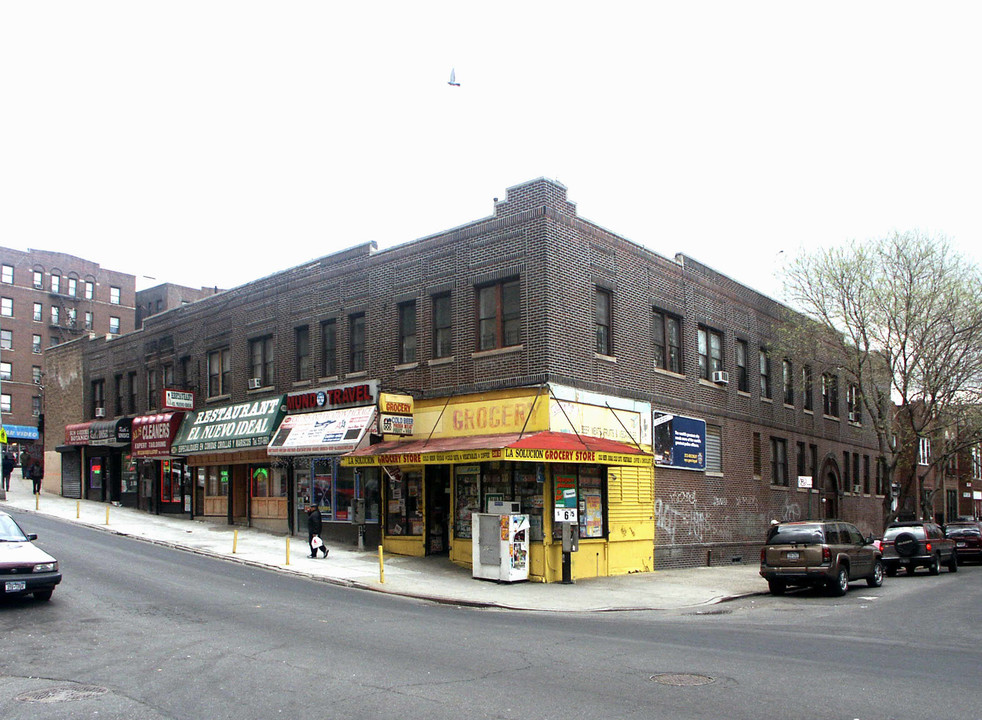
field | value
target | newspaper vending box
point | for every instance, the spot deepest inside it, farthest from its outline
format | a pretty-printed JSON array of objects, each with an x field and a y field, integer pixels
[{"x": 501, "y": 547}]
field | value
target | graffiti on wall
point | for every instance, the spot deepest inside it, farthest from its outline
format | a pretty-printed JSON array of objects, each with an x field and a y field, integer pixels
[{"x": 685, "y": 517}]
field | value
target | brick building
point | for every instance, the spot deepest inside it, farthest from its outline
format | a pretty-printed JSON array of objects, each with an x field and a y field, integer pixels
[
  {"x": 166, "y": 296},
  {"x": 533, "y": 321},
  {"x": 50, "y": 298}
]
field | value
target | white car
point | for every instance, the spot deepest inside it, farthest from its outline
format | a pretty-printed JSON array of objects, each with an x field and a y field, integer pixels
[{"x": 24, "y": 567}]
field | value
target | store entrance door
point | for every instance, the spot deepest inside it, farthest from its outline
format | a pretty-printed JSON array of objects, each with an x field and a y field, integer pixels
[{"x": 437, "y": 509}]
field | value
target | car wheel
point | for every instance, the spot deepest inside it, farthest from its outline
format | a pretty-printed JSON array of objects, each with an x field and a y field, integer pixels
[
  {"x": 841, "y": 585},
  {"x": 935, "y": 567},
  {"x": 905, "y": 544},
  {"x": 876, "y": 577},
  {"x": 777, "y": 587},
  {"x": 43, "y": 595},
  {"x": 891, "y": 571},
  {"x": 953, "y": 563}
]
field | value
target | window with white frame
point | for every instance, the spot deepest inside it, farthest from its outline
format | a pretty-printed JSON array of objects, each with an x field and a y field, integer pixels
[
  {"x": 36, "y": 344},
  {"x": 5, "y": 371},
  {"x": 55, "y": 283},
  {"x": 38, "y": 280},
  {"x": 38, "y": 312},
  {"x": 89, "y": 289},
  {"x": 55, "y": 314},
  {"x": 5, "y": 403},
  {"x": 88, "y": 320},
  {"x": 114, "y": 325},
  {"x": 113, "y": 295},
  {"x": 7, "y": 274},
  {"x": 6, "y": 340},
  {"x": 924, "y": 451}
]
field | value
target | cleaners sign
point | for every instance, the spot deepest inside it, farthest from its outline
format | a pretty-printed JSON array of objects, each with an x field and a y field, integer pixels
[{"x": 680, "y": 441}]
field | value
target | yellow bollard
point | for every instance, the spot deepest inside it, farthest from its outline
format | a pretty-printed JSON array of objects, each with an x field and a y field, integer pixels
[
  {"x": 235, "y": 540},
  {"x": 37, "y": 500},
  {"x": 381, "y": 566},
  {"x": 78, "y": 503},
  {"x": 107, "y": 514},
  {"x": 288, "y": 551}
]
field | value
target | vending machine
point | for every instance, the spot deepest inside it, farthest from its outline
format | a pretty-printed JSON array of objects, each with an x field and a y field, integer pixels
[{"x": 501, "y": 547}]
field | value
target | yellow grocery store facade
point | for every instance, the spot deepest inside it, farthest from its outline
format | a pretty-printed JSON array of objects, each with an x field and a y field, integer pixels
[{"x": 538, "y": 450}]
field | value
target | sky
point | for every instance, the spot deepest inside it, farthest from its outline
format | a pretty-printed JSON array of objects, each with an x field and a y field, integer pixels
[{"x": 210, "y": 143}]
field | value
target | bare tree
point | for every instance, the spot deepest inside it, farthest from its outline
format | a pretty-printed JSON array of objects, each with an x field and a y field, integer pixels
[{"x": 901, "y": 319}]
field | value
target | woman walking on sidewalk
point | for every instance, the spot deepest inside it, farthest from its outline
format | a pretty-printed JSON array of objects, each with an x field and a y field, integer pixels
[
  {"x": 314, "y": 526},
  {"x": 37, "y": 474}
]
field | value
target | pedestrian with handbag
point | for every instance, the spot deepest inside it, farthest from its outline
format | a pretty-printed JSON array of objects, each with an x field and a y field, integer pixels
[{"x": 314, "y": 526}]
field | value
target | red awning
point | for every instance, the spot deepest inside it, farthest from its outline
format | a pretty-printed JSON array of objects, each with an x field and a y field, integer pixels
[
  {"x": 541, "y": 446},
  {"x": 77, "y": 434},
  {"x": 153, "y": 434}
]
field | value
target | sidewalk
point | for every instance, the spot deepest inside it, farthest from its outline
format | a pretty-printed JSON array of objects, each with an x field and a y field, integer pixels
[{"x": 435, "y": 579}]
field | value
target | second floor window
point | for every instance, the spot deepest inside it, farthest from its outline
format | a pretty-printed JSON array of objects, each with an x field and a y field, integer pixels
[
  {"x": 788, "y": 378},
  {"x": 132, "y": 394},
  {"x": 442, "y": 326},
  {"x": 5, "y": 403},
  {"x": 356, "y": 342},
  {"x": 98, "y": 397},
  {"x": 407, "y": 332},
  {"x": 219, "y": 372},
  {"x": 88, "y": 320},
  {"x": 114, "y": 325},
  {"x": 261, "y": 360},
  {"x": 743, "y": 379},
  {"x": 710, "y": 352},
  {"x": 301, "y": 343},
  {"x": 830, "y": 395},
  {"x": 924, "y": 451},
  {"x": 604, "y": 345},
  {"x": 498, "y": 315},
  {"x": 329, "y": 348},
  {"x": 765, "y": 374},
  {"x": 779, "y": 461},
  {"x": 854, "y": 404},
  {"x": 667, "y": 340}
]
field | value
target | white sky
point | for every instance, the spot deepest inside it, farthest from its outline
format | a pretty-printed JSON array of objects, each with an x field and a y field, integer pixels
[{"x": 210, "y": 143}]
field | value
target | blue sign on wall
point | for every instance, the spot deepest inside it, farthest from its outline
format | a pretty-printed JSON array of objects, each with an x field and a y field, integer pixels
[{"x": 680, "y": 441}]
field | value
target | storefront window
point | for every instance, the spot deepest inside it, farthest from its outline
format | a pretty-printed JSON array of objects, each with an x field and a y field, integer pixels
[
  {"x": 404, "y": 514},
  {"x": 588, "y": 482},
  {"x": 367, "y": 484},
  {"x": 324, "y": 471},
  {"x": 467, "y": 499},
  {"x": 170, "y": 481},
  {"x": 344, "y": 493},
  {"x": 217, "y": 482},
  {"x": 131, "y": 478}
]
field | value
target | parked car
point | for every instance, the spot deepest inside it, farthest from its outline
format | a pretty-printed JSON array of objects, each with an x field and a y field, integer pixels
[
  {"x": 967, "y": 535},
  {"x": 825, "y": 553},
  {"x": 915, "y": 544},
  {"x": 24, "y": 567}
]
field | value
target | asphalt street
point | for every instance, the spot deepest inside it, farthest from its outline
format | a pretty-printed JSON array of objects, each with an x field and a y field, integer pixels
[{"x": 137, "y": 629}]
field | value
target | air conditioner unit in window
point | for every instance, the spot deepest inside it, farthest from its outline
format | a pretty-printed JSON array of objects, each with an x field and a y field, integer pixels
[
  {"x": 100, "y": 412},
  {"x": 255, "y": 383},
  {"x": 721, "y": 377},
  {"x": 854, "y": 417}
]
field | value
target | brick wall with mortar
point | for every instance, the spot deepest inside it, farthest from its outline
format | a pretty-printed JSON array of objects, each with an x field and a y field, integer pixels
[{"x": 536, "y": 236}]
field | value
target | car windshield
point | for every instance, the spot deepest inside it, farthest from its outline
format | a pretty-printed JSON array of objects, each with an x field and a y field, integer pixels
[
  {"x": 795, "y": 535},
  {"x": 916, "y": 530},
  {"x": 962, "y": 531},
  {"x": 10, "y": 531}
]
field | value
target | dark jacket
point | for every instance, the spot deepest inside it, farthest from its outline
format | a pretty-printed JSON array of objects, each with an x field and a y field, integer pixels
[{"x": 314, "y": 523}]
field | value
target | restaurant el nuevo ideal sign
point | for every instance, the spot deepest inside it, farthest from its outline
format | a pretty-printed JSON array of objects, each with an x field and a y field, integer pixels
[{"x": 233, "y": 427}]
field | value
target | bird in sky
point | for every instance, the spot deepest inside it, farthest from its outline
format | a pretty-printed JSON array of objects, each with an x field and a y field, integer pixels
[{"x": 453, "y": 78}]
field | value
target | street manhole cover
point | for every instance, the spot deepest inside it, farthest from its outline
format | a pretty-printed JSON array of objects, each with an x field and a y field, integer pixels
[
  {"x": 63, "y": 693},
  {"x": 681, "y": 679}
]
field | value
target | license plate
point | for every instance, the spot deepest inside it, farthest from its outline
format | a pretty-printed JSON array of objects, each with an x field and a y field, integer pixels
[
  {"x": 792, "y": 556},
  {"x": 16, "y": 585}
]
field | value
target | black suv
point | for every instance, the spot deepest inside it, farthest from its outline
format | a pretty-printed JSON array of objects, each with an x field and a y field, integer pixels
[{"x": 915, "y": 544}]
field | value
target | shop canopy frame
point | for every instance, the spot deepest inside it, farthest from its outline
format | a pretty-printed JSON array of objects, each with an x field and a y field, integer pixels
[{"x": 546, "y": 446}]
